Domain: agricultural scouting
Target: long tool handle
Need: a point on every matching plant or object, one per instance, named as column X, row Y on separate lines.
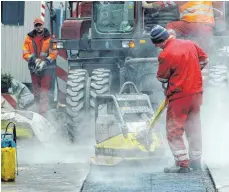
column 159, row 111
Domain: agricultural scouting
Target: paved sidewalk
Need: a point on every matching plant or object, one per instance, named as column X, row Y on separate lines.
column 220, row 175
column 56, row 177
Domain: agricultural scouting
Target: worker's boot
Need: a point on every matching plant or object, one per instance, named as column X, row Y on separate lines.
column 196, row 165
column 177, row 169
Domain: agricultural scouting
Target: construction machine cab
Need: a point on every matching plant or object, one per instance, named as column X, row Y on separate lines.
column 106, row 44
column 109, row 19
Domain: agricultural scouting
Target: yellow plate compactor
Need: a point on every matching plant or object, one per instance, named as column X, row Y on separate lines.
column 119, row 119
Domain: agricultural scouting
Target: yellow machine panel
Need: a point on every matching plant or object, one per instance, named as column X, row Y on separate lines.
column 8, row 165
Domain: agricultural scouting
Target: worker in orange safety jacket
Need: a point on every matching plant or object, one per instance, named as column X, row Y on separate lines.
column 180, row 65
column 41, row 62
column 196, row 20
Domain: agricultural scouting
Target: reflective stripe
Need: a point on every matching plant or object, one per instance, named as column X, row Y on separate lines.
column 162, row 80
column 26, row 51
column 196, row 152
column 196, row 13
column 43, row 54
column 180, row 152
column 181, row 158
column 204, row 62
column 197, row 10
column 193, row 11
column 202, row 6
column 195, row 155
column 158, row 35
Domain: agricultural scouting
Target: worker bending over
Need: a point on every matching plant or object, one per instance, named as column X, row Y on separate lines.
column 180, row 65
column 196, row 19
column 41, row 62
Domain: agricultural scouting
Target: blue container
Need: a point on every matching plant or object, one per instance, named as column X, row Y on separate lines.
column 7, row 140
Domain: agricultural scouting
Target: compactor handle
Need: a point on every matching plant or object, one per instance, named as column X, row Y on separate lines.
column 130, row 84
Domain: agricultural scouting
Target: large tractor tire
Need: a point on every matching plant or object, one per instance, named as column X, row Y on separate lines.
column 100, row 84
column 76, row 100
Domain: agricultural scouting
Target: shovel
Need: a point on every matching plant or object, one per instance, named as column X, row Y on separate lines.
column 144, row 137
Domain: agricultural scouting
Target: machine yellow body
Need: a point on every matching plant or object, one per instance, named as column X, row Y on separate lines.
column 118, row 149
column 8, row 164
column 118, row 121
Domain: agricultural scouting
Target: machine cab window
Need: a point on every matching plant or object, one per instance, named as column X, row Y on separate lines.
column 114, row 16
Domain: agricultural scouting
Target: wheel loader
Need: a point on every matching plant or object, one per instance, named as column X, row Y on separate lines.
column 106, row 44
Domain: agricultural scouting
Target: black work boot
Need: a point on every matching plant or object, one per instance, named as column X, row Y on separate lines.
column 177, row 169
column 196, row 165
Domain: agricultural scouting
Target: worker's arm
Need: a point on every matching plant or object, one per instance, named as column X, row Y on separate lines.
column 203, row 57
column 158, row 4
column 27, row 55
column 52, row 54
column 218, row 9
column 163, row 73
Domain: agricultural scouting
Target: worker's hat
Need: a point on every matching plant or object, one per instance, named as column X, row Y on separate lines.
column 158, row 34
column 38, row 20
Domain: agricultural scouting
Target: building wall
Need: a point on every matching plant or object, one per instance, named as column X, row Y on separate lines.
column 12, row 38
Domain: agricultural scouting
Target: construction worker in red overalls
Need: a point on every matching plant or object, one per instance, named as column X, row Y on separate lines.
column 180, row 65
column 41, row 62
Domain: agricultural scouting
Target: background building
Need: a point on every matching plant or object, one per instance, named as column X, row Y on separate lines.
column 16, row 21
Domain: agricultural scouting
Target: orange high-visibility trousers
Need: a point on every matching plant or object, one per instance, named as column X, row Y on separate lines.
column 183, row 115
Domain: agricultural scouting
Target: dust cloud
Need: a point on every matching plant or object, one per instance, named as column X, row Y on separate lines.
column 215, row 125
column 59, row 149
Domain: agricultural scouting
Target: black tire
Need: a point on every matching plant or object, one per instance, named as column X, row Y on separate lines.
column 76, row 100
column 100, row 84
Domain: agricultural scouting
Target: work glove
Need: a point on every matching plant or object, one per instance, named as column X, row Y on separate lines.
column 40, row 67
column 149, row 5
column 37, row 61
column 33, row 64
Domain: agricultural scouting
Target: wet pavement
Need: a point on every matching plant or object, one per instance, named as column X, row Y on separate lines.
column 58, row 167
column 64, row 167
column 48, row 177
column 145, row 178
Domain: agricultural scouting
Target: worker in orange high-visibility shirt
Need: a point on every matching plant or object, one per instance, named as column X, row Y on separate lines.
column 196, row 20
column 41, row 62
column 180, row 65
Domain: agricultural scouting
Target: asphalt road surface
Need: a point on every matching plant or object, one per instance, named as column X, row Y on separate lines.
column 66, row 168
column 145, row 178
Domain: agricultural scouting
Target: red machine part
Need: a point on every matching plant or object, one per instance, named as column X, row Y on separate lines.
column 74, row 29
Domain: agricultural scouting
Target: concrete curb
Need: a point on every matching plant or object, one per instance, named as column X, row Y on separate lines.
column 220, row 177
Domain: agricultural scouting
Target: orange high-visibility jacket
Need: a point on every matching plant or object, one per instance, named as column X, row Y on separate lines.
column 30, row 49
column 197, row 11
